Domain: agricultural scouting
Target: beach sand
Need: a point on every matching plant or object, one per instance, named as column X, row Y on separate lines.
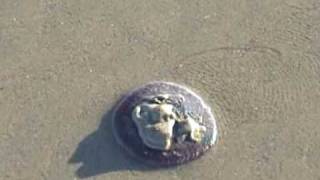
column 64, row 64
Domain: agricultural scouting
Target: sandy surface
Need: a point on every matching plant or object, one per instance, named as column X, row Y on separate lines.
column 63, row 65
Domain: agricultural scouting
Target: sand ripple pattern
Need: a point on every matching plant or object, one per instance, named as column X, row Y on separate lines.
column 243, row 85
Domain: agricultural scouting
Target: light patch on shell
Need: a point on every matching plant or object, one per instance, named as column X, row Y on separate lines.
column 196, row 130
column 156, row 117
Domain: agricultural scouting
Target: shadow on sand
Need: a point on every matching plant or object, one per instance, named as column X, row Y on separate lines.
column 99, row 153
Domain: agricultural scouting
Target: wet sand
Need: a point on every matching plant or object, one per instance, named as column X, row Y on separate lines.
column 64, row 64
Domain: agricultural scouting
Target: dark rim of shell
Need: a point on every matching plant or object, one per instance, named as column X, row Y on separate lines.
column 127, row 135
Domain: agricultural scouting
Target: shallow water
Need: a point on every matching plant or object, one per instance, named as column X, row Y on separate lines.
column 64, row 64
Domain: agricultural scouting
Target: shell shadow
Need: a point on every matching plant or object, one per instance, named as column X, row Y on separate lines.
column 99, row 153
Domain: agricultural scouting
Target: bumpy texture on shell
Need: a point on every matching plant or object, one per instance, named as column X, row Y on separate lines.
column 128, row 137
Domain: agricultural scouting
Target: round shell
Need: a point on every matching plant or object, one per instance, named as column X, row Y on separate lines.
column 127, row 135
